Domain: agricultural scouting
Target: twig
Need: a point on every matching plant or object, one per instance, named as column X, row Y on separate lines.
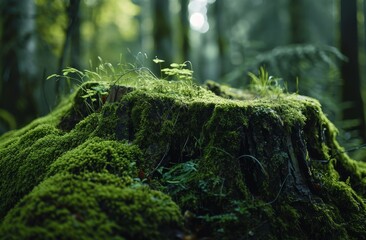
column 256, row 160
column 279, row 192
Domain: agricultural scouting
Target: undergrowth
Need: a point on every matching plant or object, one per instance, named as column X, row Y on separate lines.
column 264, row 84
column 107, row 75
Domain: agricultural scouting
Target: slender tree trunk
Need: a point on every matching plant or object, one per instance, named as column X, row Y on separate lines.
column 184, row 19
column 162, row 33
column 297, row 30
column 220, row 37
column 72, row 40
column 17, row 63
column 75, row 35
column 351, row 91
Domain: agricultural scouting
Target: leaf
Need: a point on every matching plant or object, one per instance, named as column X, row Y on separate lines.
column 52, row 76
column 68, row 70
column 175, row 65
column 91, row 74
column 157, row 60
column 100, row 60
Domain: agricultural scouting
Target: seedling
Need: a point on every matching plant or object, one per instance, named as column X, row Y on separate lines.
column 264, row 84
column 177, row 71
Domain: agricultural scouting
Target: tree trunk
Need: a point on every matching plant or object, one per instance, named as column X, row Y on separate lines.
column 17, row 69
column 72, row 40
column 222, row 62
column 75, row 48
column 162, row 33
column 184, row 22
column 297, row 33
column 351, row 89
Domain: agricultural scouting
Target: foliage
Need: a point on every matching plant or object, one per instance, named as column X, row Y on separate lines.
column 263, row 84
column 280, row 60
column 90, row 95
column 179, row 71
column 178, row 177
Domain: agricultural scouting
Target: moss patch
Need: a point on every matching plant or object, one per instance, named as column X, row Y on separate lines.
column 165, row 160
column 91, row 206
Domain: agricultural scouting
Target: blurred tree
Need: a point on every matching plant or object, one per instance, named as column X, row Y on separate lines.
column 17, row 68
column 353, row 112
column 72, row 39
column 220, row 38
column 51, row 20
column 296, row 20
column 145, row 26
column 162, row 32
column 51, row 24
column 109, row 29
column 184, row 24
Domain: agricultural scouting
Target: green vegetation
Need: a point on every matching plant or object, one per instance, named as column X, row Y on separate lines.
column 263, row 84
column 91, row 206
column 176, row 70
column 161, row 159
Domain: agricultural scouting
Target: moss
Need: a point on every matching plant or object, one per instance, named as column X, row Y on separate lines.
column 98, row 155
column 51, row 119
column 24, row 162
column 91, row 206
column 239, row 166
column 81, row 107
column 227, row 92
column 26, row 159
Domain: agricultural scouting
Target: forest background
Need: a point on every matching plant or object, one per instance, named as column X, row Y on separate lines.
column 316, row 48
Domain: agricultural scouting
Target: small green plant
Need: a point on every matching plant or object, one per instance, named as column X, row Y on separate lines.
column 92, row 94
column 106, row 75
column 178, row 71
column 178, row 177
column 264, row 84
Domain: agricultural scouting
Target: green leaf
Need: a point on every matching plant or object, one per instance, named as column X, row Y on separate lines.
column 68, row 70
column 157, row 60
column 91, row 74
column 175, row 65
column 52, row 76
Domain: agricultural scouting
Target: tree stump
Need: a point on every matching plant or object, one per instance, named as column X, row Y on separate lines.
column 172, row 160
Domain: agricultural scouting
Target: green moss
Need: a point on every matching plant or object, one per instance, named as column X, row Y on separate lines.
column 51, row 119
column 98, row 155
column 238, row 165
column 24, row 162
column 91, row 206
column 26, row 159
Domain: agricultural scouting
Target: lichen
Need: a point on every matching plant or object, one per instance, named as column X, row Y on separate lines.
column 236, row 166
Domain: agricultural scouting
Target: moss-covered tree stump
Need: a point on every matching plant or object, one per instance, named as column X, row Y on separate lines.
column 171, row 160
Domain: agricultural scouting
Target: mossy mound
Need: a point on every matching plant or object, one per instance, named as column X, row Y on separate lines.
column 172, row 160
column 91, row 206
